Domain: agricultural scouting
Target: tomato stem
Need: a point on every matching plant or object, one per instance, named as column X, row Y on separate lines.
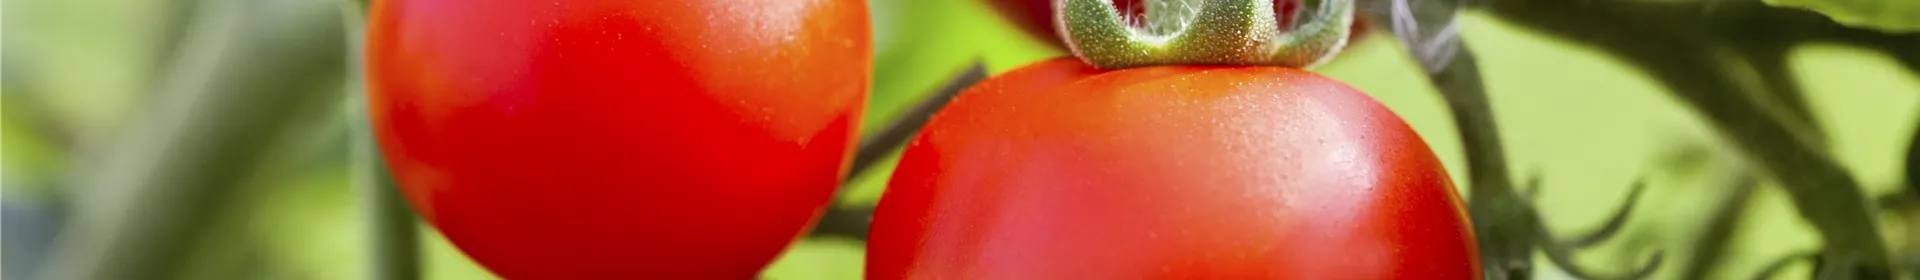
column 901, row 128
column 393, row 231
column 1218, row 32
column 851, row 221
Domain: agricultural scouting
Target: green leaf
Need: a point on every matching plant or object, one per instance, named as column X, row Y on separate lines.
column 1883, row 15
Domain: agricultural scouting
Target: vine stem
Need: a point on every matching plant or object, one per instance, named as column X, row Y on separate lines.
column 852, row 221
column 1711, row 245
column 1681, row 45
column 393, row 232
column 1503, row 221
column 902, row 128
column 1503, row 218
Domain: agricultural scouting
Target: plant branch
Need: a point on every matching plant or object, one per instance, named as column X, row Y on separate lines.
column 1822, row 191
column 1674, row 43
column 1615, row 222
column 392, row 230
column 904, row 126
column 1561, row 252
column 852, row 221
column 845, row 222
column 1504, row 222
column 1711, row 245
column 1770, row 64
column 1503, row 219
column 147, row 197
column 1460, row 84
column 1913, row 160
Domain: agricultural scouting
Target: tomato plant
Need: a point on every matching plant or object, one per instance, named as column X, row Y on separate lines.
column 616, row 139
column 1061, row 171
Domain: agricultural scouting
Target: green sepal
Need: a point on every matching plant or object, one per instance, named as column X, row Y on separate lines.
column 1206, row 32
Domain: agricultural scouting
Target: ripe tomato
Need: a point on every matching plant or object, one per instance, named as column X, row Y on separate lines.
column 618, row 139
column 1036, row 16
column 1061, row 171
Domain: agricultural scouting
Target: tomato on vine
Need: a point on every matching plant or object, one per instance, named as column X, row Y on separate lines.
column 1188, row 148
column 1061, row 171
column 618, row 139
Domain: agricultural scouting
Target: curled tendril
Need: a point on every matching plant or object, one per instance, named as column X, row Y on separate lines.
column 1560, row 252
column 1217, row 32
column 1614, row 222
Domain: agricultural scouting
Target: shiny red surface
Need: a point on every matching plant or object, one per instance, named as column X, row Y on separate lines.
column 1059, row 171
column 618, row 139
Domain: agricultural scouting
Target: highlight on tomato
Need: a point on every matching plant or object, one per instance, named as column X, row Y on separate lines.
column 618, row 139
column 1059, row 170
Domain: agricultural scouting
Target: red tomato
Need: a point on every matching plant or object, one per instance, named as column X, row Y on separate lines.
column 1036, row 16
column 1060, row 171
column 619, row 139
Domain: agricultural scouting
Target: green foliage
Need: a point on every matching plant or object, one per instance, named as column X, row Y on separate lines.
column 1885, row 15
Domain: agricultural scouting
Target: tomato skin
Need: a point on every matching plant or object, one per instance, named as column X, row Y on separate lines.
column 1060, row 171
column 618, row 139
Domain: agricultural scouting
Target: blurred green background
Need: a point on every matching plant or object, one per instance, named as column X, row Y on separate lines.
column 77, row 71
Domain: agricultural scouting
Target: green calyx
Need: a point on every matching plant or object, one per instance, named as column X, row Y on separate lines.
column 1214, row 32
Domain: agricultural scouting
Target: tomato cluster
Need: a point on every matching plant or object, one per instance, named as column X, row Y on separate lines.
column 623, row 139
